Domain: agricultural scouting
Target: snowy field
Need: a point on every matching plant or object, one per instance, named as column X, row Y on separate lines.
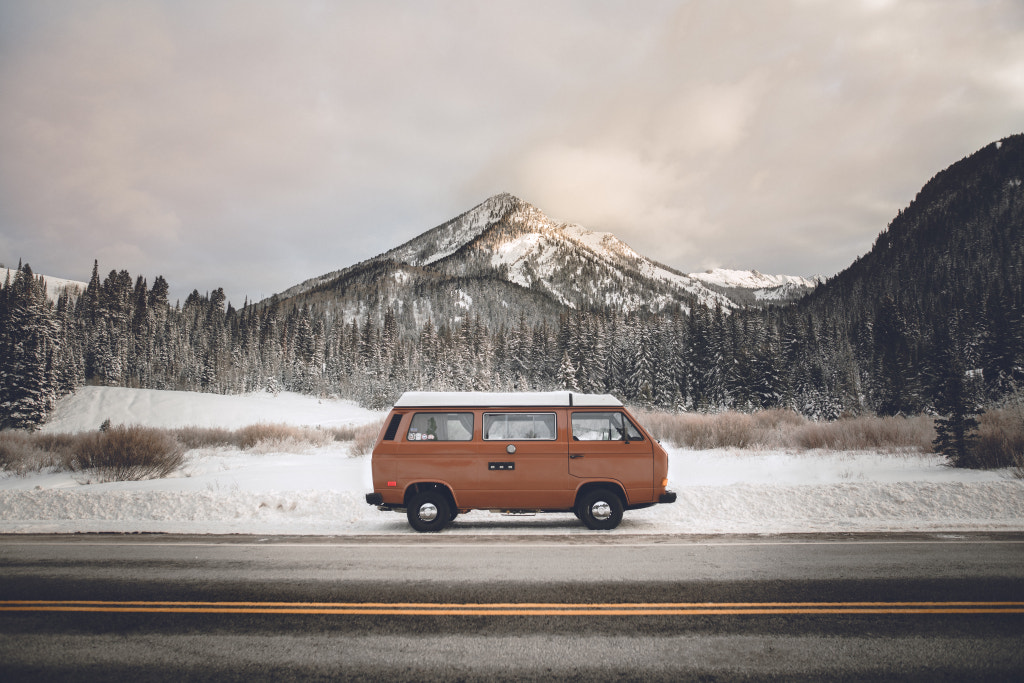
column 320, row 491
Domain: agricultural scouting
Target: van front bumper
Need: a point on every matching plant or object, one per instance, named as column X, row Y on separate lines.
column 375, row 498
column 667, row 497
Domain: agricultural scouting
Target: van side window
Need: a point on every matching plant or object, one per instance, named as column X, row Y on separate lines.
column 519, row 427
column 441, row 427
column 610, row 426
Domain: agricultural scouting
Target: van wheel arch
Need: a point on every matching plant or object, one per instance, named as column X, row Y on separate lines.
column 430, row 506
column 600, row 505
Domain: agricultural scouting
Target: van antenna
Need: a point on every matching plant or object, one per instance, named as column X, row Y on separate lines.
column 570, row 399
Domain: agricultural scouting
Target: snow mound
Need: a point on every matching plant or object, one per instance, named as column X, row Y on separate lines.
column 89, row 407
column 322, row 492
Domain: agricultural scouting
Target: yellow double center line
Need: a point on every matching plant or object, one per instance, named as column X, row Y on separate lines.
column 515, row 609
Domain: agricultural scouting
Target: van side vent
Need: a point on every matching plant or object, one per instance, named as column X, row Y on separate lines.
column 389, row 435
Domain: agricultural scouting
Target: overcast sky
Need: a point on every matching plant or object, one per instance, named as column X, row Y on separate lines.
column 252, row 145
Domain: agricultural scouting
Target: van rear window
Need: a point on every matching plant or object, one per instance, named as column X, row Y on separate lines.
column 441, row 427
column 389, row 434
column 519, row 427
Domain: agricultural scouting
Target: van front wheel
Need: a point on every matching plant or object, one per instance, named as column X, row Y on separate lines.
column 599, row 509
column 429, row 511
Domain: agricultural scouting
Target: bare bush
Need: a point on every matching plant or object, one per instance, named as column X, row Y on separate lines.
column 723, row 430
column 869, row 433
column 205, row 437
column 20, row 454
column 268, row 438
column 786, row 429
column 128, row 454
column 26, row 452
column 778, row 418
column 346, row 433
column 365, row 437
column 1001, row 439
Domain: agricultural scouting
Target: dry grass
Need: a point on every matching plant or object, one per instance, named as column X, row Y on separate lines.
column 1001, row 439
column 869, row 433
column 24, row 452
column 263, row 437
column 128, row 454
column 786, row 429
column 121, row 453
column 365, row 437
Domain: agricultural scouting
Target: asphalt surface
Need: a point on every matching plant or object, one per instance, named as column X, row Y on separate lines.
column 601, row 607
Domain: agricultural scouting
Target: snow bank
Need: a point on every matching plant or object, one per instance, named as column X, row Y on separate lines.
column 320, row 491
column 87, row 408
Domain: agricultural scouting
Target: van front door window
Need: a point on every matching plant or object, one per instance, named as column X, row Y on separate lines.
column 603, row 426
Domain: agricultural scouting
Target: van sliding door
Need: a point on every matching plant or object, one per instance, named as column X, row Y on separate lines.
column 524, row 452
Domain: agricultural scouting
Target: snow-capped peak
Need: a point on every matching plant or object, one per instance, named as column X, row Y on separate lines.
column 750, row 279
column 447, row 238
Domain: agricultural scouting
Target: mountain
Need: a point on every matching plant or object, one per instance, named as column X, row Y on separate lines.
column 940, row 296
column 506, row 258
column 751, row 288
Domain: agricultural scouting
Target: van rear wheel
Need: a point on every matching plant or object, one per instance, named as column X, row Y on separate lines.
column 429, row 511
column 600, row 509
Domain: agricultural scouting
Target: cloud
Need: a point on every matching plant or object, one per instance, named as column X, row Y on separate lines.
column 268, row 142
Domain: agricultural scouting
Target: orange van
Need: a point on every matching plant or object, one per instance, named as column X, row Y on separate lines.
column 442, row 453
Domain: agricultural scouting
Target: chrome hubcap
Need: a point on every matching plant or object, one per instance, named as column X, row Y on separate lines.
column 601, row 510
column 428, row 512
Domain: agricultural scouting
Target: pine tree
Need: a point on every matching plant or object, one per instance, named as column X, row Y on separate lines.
column 567, row 373
column 28, row 345
column 956, row 428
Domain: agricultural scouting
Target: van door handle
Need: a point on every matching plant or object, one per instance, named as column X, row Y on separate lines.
column 573, row 456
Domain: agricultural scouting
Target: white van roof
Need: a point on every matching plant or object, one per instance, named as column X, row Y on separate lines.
column 484, row 399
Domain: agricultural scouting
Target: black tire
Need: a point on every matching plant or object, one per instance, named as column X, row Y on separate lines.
column 600, row 509
column 429, row 511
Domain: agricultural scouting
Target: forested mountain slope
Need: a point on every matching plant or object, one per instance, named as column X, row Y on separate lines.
column 943, row 286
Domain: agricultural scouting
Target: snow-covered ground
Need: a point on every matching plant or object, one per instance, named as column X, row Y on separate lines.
column 320, row 491
column 89, row 407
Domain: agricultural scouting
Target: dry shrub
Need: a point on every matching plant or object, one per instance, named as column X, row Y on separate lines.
column 205, row 437
column 693, row 430
column 779, row 428
column 869, row 433
column 269, row 438
column 1001, row 439
column 365, row 437
column 26, row 452
column 778, row 418
column 347, row 433
column 128, row 453
column 20, row 454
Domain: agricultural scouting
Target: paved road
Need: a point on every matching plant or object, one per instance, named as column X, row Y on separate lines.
column 601, row 607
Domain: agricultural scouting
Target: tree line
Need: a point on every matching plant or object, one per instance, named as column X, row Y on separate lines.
column 821, row 363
